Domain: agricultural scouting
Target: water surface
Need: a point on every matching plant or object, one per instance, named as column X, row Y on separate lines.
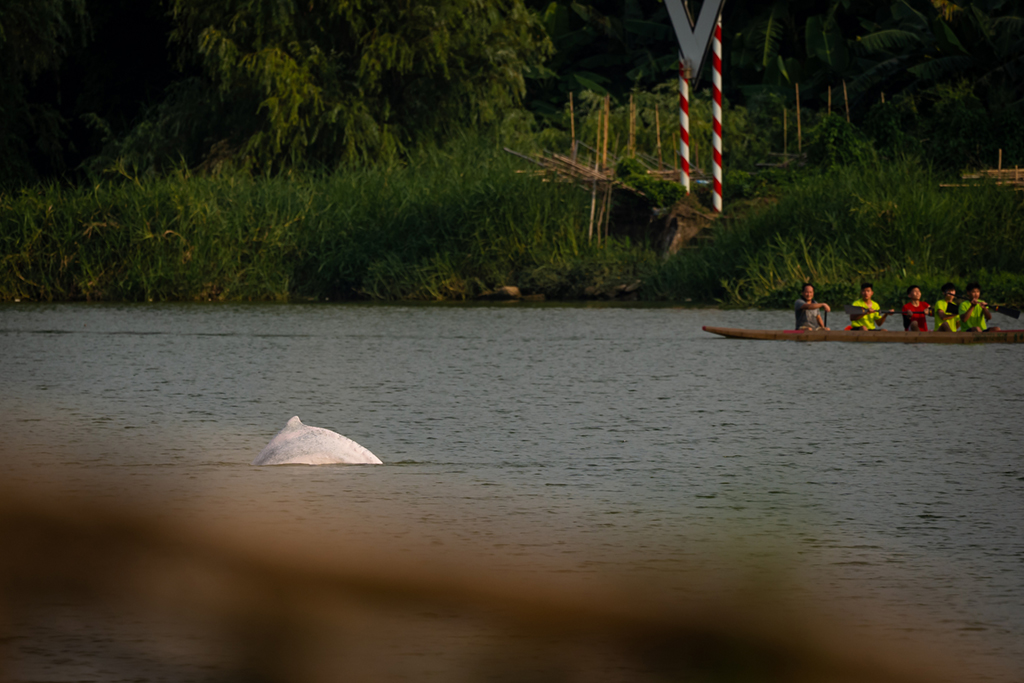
column 582, row 441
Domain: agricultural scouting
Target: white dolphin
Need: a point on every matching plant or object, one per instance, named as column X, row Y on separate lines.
column 298, row 444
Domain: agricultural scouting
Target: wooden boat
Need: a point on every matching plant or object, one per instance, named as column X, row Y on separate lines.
column 881, row 336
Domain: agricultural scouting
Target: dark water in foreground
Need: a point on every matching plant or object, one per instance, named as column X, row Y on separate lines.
column 886, row 482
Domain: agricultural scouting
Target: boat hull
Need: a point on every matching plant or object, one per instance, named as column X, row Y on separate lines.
column 876, row 337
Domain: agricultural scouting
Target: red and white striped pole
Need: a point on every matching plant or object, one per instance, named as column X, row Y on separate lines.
column 716, row 91
column 684, row 126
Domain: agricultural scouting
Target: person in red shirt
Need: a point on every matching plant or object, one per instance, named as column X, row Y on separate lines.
column 915, row 310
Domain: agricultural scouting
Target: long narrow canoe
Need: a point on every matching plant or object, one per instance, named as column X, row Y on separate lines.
column 881, row 336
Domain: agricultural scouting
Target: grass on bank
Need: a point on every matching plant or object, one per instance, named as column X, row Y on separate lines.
column 454, row 223
column 889, row 223
column 449, row 225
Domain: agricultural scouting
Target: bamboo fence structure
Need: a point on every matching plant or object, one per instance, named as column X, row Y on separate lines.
column 999, row 176
column 596, row 172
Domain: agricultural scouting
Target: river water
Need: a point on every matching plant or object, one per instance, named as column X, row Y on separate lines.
column 886, row 482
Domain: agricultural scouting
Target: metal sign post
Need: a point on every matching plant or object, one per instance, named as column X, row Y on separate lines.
column 694, row 40
column 684, row 124
column 716, row 109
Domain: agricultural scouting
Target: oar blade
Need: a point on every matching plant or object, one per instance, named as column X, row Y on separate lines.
column 1012, row 312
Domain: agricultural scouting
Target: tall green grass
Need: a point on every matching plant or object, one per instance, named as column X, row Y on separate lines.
column 454, row 223
column 448, row 225
column 887, row 222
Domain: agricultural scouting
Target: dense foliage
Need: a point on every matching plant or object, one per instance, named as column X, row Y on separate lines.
column 34, row 37
column 263, row 149
column 276, row 84
column 348, row 79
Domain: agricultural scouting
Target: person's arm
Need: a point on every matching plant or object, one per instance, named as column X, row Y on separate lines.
column 821, row 323
column 861, row 315
column 986, row 311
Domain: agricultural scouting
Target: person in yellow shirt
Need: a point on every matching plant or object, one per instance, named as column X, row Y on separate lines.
column 947, row 315
column 870, row 319
column 974, row 313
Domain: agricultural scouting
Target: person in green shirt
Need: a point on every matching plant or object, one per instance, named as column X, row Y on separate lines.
column 947, row 315
column 974, row 313
column 869, row 320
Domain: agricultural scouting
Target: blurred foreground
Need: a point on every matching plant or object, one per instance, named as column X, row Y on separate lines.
column 98, row 592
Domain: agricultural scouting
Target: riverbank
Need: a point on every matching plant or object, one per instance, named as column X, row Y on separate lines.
column 889, row 223
column 449, row 225
column 456, row 224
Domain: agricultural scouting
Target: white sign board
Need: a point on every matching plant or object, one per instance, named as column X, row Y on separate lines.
column 694, row 39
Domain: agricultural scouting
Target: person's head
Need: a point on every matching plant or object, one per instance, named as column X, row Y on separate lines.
column 972, row 291
column 866, row 290
column 807, row 293
column 914, row 293
column 949, row 291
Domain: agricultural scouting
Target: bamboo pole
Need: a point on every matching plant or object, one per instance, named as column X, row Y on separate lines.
column 632, row 126
column 829, row 99
column 847, row 100
column 785, row 132
column 657, row 127
column 600, row 218
column 1000, row 160
column 593, row 190
column 593, row 202
column 799, row 135
column 607, row 115
column 600, row 214
column 572, row 125
column 604, row 164
column 883, row 98
column 608, row 213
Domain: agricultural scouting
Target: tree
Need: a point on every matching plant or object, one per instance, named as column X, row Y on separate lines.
column 608, row 46
column 34, row 35
column 326, row 80
column 911, row 48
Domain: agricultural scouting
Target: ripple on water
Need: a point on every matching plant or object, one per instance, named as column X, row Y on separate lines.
column 619, row 440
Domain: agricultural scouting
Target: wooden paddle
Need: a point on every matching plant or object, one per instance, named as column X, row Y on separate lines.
column 1005, row 310
column 857, row 310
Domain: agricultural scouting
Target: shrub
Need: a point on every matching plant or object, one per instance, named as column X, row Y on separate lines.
column 835, row 142
column 659, row 193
